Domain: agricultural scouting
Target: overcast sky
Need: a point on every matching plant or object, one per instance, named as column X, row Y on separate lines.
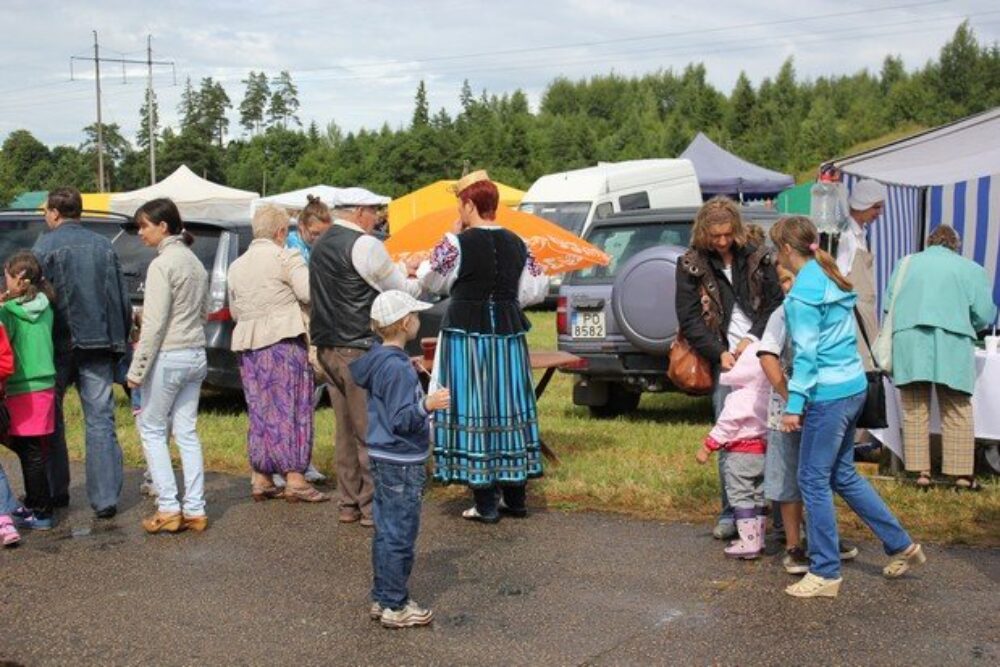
column 359, row 63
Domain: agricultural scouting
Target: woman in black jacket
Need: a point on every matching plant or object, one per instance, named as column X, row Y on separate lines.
column 727, row 289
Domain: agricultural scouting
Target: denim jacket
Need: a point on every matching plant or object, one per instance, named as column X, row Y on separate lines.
column 93, row 311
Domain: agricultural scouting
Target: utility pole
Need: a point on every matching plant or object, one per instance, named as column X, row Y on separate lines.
column 148, row 62
column 149, row 110
column 100, row 126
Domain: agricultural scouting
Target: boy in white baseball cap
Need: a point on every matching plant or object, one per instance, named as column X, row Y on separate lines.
column 398, row 446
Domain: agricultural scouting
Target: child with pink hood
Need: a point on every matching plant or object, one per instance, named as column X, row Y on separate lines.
column 741, row 430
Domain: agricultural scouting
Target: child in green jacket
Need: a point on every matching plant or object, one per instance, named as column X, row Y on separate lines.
column 26, row 314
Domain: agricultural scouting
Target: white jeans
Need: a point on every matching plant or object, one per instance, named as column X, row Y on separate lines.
column 170, row 399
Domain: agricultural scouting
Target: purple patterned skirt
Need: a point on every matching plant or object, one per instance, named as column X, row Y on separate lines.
column 278, row 383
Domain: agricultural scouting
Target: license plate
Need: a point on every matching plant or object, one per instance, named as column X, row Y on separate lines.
column 588, row 325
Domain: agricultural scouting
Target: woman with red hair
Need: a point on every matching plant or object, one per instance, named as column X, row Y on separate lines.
column 488, row 439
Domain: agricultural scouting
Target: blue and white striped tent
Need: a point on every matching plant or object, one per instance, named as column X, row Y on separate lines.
column 973, row 209
column 948, row 175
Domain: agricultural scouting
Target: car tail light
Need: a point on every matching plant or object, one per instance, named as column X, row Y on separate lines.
column 218, row 310
column 221, row 315
column 562, row 317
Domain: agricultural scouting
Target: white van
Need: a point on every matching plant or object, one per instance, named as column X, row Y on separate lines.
column 574, row 199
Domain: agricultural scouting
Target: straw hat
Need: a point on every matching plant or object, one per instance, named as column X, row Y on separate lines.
column 469, row 179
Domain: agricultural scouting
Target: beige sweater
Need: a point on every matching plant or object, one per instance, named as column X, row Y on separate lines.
column 268, row 286
column 173, row 307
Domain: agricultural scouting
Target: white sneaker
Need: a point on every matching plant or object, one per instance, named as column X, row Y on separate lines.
column 314, row 476
column 812, row 586
column 375, row 611
column 410, row 615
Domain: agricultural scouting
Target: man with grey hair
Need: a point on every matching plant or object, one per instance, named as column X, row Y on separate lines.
column 856, row 260
column 348, row 268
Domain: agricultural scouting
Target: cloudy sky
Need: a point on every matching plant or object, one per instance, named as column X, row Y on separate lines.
column 359, row 63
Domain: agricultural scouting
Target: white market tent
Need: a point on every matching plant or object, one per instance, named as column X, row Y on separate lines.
column 949, row 175
column 332, row 196
column 196, row 198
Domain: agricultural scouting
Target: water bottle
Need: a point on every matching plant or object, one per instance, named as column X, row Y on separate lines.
column 825, row 212
column 823, row 206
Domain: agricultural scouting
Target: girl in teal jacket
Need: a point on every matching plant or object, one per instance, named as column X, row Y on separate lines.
column 825, row 395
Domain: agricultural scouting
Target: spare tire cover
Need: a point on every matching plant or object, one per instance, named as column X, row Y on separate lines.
column 642, row 299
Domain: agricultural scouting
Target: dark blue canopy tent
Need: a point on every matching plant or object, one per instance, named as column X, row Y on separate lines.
column 722, row 173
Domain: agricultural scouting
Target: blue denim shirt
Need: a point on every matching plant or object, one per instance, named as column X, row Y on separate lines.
column 93, row 311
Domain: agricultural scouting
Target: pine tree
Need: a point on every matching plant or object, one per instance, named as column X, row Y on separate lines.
column 189, row 109
column 465, row 98
column 254, row 103
column 741, row 105
column 142, row 136
column 289, row 94
column 277, row 112
column 421, row 110
column 213, row 102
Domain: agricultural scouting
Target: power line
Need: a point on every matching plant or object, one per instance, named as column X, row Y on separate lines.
column 681, row 50
column 679, row 33
column 97, row 60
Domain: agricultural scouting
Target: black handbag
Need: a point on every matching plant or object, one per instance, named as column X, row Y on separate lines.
column 873, row 413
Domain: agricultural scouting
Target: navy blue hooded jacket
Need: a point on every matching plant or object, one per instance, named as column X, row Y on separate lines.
column 398, row 429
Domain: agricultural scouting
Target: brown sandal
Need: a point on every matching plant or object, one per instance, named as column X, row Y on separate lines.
column 262, row 493
column 306, row 494
column 163, row 523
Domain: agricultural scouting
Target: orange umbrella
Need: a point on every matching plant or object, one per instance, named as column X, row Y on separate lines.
column 557, row 250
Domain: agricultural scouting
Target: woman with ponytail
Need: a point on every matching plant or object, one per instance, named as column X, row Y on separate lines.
column 825, row 395
column 169, row 365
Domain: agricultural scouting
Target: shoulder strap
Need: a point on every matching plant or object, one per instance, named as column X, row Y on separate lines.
column 864, row 335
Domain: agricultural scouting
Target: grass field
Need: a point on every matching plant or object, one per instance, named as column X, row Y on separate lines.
column 642, row 465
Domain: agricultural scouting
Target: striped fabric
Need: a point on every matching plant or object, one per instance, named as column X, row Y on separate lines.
column 973, row 209
column 490, row 434
column 896, row 234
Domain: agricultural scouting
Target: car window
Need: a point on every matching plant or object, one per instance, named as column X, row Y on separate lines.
column 19, row 235
column 569, row 215
column 634, row 201
column 136, row 256
column 624, row 242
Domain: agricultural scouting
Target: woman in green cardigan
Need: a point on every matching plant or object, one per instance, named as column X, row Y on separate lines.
column 943, row 302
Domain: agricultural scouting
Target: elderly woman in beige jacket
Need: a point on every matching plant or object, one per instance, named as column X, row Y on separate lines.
column 268, row 285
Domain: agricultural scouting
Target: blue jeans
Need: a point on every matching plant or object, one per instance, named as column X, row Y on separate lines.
column 396, row 511
column 826, row 464
column 8, row 501
column 93, row 373
column 718, row 401
column 170, row 395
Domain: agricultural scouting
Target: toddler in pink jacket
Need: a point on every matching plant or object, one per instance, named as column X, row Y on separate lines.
column 741, row 430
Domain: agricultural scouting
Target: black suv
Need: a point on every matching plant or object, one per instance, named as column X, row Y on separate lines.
column 620, row 318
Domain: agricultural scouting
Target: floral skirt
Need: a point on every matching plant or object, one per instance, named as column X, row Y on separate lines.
column 490, row 434
column 278, row 383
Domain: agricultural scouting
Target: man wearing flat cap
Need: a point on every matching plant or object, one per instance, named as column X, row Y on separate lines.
column 348, row 268
column 856, row 261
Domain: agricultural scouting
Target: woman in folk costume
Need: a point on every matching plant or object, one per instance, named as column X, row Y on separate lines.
column 489, row 438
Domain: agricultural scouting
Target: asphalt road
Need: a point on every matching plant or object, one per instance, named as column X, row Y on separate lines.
column 274, row 583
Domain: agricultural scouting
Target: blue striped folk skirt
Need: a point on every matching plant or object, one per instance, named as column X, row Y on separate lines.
column 490, row 434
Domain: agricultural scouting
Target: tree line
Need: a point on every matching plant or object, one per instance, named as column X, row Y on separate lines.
column 784, row 123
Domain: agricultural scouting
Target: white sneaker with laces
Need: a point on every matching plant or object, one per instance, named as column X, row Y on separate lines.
column 375, row 611
column 412, row 614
